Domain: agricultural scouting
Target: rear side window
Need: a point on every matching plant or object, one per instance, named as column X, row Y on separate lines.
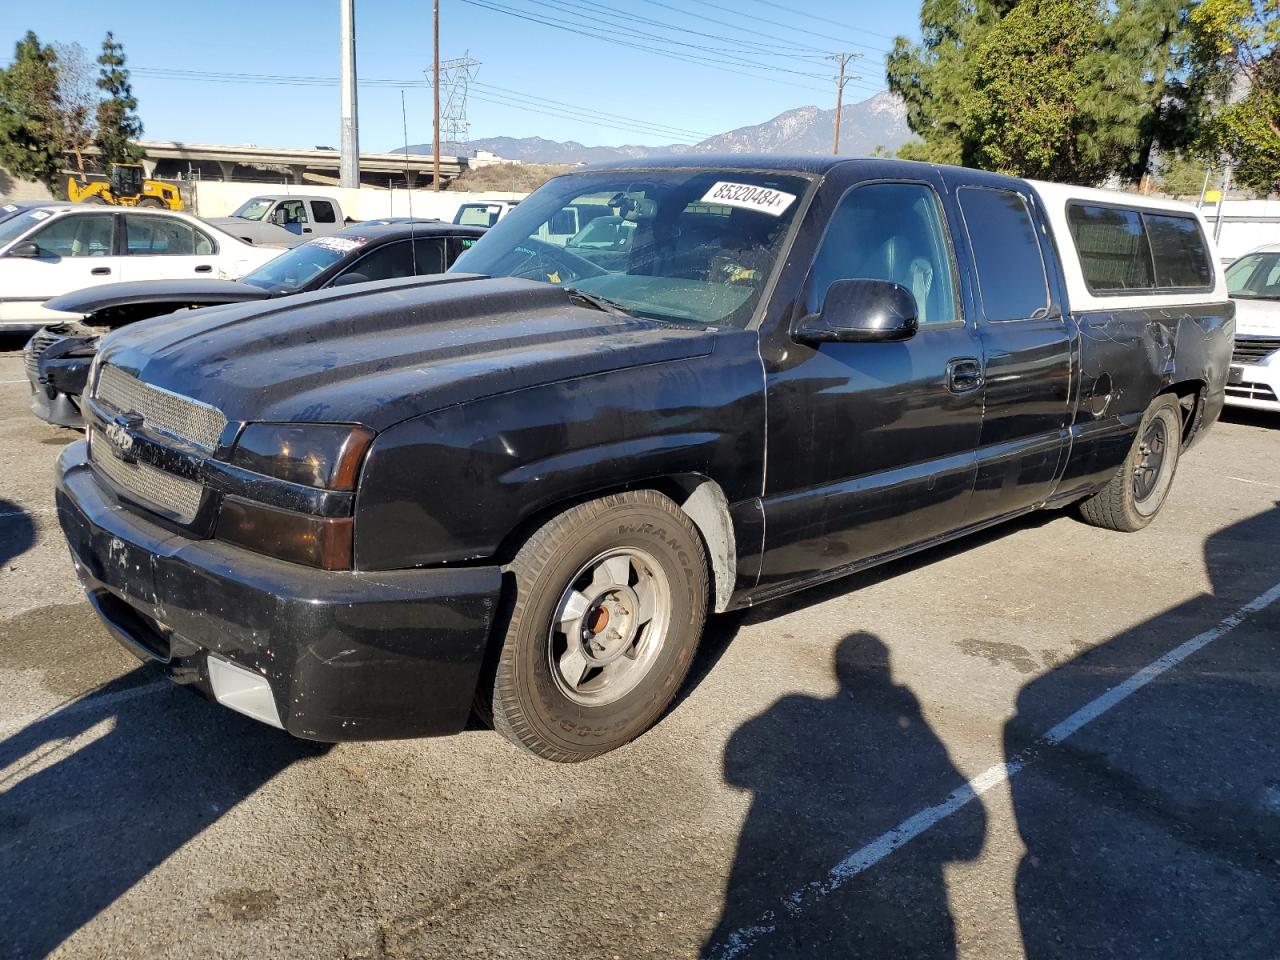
column 1178, row 251
column 458, row 246
column 1114, row 252
column 1124, row 250
column 1006, row 250
column 322, row 210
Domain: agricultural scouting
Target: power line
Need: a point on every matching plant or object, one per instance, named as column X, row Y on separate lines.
column 814, row 16
column 546, row 107
column 785, row 26
column 717, row 64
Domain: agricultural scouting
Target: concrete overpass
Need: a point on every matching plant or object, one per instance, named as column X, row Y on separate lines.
column 170, row 159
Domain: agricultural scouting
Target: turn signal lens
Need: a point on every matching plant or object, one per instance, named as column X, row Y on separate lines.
column 324, row 542
column 324, row 455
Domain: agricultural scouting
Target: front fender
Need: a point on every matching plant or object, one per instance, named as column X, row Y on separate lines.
column 452, row 485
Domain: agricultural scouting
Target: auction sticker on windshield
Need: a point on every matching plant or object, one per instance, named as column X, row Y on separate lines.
column 748, row 196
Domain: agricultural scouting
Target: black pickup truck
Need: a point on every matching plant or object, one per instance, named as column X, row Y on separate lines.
column 520, row 487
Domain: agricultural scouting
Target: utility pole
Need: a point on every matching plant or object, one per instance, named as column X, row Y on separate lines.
column 350, row 158
column 843, row 59
column 435, row 90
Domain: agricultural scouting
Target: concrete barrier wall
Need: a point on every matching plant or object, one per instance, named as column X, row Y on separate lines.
column 215, row 198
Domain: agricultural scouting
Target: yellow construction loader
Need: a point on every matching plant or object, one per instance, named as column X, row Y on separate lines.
column 126, row 187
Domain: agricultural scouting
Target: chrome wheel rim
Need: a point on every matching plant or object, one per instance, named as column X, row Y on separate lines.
column 1151, row 455
column 609, row 626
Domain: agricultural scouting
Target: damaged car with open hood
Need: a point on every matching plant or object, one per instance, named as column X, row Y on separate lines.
column 519, row 488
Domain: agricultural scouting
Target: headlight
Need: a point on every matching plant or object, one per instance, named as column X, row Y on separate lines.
column 325, row 455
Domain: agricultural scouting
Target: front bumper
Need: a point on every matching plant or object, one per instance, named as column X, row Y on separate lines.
column 344, row 656
column 1256, row 386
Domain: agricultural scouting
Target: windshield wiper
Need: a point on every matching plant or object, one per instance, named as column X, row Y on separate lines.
column 600, row 303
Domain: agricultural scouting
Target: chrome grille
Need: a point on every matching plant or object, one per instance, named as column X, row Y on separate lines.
column 38, row 345
column 178, row 416
column 153, row 486
column 1253, row 349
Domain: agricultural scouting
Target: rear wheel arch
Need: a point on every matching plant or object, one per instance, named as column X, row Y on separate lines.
column 1190, row 394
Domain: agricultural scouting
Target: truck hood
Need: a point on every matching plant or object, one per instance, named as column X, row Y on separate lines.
column 190, row 292
column 1257, row 318
column 380, row 356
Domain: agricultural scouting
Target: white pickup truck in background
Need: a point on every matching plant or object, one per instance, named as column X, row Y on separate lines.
column 282, row 220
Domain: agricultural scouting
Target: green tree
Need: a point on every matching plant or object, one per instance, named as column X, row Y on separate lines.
column 1033, row 109
column 118, row 122
column 1237, row 42
column 30, row 120
column 1069, row 89
column 1181, row 175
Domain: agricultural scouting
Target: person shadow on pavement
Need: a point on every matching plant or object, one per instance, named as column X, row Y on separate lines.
column 17, row 532
column 83, row 822
column 829, row 775
column 1153, row 833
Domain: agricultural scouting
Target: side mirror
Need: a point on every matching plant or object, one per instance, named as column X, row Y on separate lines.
column 349, row 278
column 28, row 249
column 861, row 311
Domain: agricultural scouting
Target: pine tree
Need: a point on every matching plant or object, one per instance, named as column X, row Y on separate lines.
column 118, row 122
column 30, row 114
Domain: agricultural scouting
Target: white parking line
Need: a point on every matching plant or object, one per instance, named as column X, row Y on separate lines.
column 863, row 859
column 15, row 381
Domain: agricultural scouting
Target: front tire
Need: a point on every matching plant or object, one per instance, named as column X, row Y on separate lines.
column 1136, row 493
column 610, row 599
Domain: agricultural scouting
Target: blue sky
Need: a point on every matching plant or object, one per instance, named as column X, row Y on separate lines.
column 617, row 85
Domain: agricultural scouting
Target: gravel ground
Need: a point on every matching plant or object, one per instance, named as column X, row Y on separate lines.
column 843, row 728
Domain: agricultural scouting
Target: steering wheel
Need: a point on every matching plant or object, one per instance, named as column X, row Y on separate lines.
column 539, row 260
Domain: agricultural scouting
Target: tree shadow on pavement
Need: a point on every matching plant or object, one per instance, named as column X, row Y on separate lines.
column 827, row 776
column 17, row 531
column 1154, row 832
column 83, row 822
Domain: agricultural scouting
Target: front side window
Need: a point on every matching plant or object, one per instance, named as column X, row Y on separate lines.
column 401, row 259
column 1006, row 251
column 85, row 235
column 889, row 231
column 1255, row 276
column 701, row 244
column 159, row 236
column 292, row 211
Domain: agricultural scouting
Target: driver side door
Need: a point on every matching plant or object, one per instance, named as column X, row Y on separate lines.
column 872, row 446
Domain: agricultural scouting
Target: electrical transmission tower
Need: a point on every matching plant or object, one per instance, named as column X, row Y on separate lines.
column 455, row 82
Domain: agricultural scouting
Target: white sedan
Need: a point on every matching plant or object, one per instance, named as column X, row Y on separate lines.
column 1254, row 284
column 48, row 251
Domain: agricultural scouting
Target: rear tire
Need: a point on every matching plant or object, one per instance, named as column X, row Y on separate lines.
column 1136, row 493
column 609, row 603
column 151, row 202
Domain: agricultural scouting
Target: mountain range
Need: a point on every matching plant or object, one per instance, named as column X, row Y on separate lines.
column 879, row 121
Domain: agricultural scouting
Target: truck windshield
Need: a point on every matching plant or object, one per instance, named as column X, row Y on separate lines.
column 683, row 245
column 254, row 209
column 1255, row 276
column 293, row 269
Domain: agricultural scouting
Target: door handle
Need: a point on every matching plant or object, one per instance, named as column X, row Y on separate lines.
column 964, row 374
column 101, row 271
column 306, row 229
column 204, row 268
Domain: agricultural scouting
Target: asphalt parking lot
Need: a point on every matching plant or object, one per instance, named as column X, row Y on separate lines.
column 1048, row 741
